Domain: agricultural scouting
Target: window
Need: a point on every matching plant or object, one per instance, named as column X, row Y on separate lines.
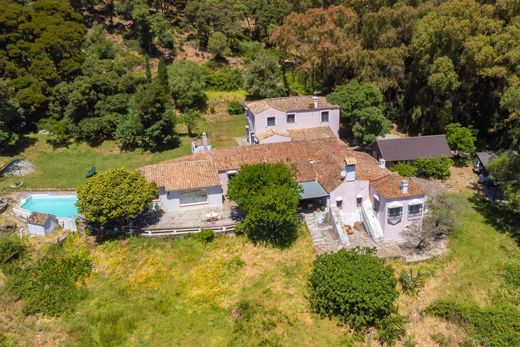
column 415, row 210
column 376, row 204
column 291, row 118
column 271, row 121
column 325, row 116
column 394, row 212
column 194, row 197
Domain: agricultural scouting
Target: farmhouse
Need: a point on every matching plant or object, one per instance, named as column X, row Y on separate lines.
column 331, row 174
column 290, row 119
column 408, row 149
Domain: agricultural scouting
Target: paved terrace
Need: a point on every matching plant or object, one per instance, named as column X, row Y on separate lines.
column 226, row 215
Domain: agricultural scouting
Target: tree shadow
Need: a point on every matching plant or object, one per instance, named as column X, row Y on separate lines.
column 499, row 216
column 20, row 147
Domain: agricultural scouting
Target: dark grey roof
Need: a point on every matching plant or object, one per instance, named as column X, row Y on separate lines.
column 312, row 190
column 411, row 148
column 485, row 157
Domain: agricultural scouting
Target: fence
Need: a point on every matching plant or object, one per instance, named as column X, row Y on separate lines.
column 185, row 231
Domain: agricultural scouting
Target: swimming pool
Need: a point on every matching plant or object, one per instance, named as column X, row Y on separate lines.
column 60, row 206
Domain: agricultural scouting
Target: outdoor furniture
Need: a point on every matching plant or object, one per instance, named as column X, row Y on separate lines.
column 91, row 172
column 212, row 217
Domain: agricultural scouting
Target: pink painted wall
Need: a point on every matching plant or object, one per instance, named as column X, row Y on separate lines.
column 349, row 192
column 393, row 232
column 303, row 119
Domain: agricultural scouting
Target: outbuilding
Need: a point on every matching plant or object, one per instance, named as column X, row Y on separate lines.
column 41, row 224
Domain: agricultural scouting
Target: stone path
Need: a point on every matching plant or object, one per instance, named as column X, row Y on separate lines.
column 323, row 236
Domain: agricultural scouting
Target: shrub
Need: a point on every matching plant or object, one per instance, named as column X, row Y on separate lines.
column 234, row 107
column 403, row 169
column 353, row 285
column 256, row 325
column 12, row 248
column 494, row 326
column 411, row 283
column 434, row 167
column 206, row 235
column 226, row 80
column 48, row 285
column 391, row 328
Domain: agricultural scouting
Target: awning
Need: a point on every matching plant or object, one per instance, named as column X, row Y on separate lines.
column 312, row 190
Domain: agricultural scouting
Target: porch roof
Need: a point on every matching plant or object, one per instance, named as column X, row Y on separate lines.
column 312, row 190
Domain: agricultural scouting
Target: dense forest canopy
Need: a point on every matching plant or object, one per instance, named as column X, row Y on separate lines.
column 85, row 64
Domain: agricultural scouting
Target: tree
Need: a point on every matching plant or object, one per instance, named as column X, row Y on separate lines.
column 361, row 106
column 218, row 45
column 189, row 118
column 208, row 16
column 266, row 14
column 12, row 117
column 354, row 286
column 403, row 169
column 264, row 77
column 322, row 43
column 162, row 73
column 187, row 84
column 438, row 223
column 505, row 167
column 461, row 138
column 269, row 196
column 40, row 46
column 433, row 167
column 115, row 196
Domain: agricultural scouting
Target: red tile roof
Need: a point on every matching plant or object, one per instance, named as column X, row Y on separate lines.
column 389, row 187
column 182, row 175
column 314, row 160
column 38, row 218
column 316, row 133
column 290, row 103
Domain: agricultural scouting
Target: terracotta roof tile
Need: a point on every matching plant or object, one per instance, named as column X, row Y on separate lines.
column 270, row 132
column 310, row 160
column 311, row 133
column 389, row 187
column 37, row 218
column 290, row 103
column 182, row 175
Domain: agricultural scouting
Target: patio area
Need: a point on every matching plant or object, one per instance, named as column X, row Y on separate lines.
column 210, row 218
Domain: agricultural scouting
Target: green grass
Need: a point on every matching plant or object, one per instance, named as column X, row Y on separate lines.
column 477, row 254
column 66, row 167
column 150, row 293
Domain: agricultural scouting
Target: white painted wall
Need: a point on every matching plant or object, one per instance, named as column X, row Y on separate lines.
column 170, row 201
column 43, row 230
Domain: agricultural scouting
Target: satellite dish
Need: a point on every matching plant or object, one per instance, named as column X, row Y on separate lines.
column 343, row 173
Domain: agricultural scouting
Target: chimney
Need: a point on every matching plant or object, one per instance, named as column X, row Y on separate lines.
column 404, row 186
column 315, row 101
column 204, row 140
column 382, row 163
column 350, row 169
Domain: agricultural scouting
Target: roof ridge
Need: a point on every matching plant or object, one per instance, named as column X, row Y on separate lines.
column 410, row 137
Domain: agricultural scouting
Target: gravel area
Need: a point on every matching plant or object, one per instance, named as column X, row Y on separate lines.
column 18, row 168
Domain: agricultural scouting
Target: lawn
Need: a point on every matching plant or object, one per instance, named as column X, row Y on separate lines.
column 470, row 273
column 66, row 167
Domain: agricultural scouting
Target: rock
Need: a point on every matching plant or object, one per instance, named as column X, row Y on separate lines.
column 18, row 168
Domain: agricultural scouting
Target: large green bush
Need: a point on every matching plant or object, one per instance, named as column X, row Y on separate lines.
column 234, row 107
column 269, row 196
column 433, row 167
column 48, row 285
column 12, row 248
column 492, row 326
column 354, row 286
column 403, row 169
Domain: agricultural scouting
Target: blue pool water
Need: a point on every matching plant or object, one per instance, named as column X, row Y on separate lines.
column 60, row 206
